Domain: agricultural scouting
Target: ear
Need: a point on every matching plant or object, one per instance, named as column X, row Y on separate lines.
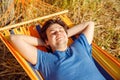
column 46, row 41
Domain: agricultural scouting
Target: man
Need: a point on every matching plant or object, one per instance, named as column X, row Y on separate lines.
column 63, row 63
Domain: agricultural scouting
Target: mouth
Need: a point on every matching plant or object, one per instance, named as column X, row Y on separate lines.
column 59, row 38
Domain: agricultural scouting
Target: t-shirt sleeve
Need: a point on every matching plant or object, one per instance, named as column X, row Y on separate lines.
column 84, row 42
column 40, row 59
column 43, row 60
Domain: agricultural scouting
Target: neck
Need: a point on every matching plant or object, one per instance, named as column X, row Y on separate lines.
column 60, row 48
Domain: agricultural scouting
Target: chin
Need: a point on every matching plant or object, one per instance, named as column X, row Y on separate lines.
column 62, row 42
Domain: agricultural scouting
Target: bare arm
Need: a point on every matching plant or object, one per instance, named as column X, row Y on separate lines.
column 26, row 46
column 87, row 28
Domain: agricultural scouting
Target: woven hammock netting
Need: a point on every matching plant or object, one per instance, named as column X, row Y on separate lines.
column 24, row 10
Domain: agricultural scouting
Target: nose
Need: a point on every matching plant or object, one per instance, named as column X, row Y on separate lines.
column 58, row 32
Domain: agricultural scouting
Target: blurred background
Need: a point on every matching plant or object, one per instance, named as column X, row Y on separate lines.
column 105, row 14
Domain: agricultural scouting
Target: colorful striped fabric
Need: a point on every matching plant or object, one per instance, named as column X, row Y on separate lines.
column 108, row 65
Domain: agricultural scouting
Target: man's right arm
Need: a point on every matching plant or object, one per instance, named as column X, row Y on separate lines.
column 26, row 45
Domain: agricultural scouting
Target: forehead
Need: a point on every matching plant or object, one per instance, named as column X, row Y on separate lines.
column 54, row 26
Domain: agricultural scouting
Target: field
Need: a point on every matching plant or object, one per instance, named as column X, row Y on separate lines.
column 105, row 14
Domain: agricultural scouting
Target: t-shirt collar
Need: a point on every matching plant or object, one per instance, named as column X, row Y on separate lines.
column 60, row 54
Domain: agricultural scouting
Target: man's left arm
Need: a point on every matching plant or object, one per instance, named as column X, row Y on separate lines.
column 87, row 28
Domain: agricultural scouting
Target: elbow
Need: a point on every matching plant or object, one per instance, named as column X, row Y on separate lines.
column 91, row 23
column 12, row 38
column 15, row 39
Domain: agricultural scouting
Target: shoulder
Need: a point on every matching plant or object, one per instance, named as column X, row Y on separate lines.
column 81, row 42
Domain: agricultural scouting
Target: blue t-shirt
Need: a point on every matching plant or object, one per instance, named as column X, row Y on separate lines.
column 75, row 63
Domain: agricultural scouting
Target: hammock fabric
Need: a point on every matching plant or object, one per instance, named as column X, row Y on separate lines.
column 106, row 63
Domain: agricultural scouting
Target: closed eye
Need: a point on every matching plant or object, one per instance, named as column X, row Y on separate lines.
column 53, row 32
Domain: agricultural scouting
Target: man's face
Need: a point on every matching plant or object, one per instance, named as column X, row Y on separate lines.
column 57, row 37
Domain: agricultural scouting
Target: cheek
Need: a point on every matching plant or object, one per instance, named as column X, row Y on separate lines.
column 51, row 41
column 65, row 34
column 51, row 38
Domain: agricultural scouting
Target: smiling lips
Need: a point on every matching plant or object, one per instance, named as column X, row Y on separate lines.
column 59, row 38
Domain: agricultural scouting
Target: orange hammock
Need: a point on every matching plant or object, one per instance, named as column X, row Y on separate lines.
column 107, row 64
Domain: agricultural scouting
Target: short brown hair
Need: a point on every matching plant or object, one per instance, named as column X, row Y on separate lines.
column 48, row 24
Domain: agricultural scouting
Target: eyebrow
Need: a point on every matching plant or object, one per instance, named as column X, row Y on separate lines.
column 51, row 30
column 54, row 30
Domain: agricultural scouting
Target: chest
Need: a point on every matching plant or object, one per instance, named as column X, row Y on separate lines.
column 72, row 59
column 75, row 63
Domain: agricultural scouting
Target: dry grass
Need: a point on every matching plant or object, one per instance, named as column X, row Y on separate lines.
column 105, row 14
